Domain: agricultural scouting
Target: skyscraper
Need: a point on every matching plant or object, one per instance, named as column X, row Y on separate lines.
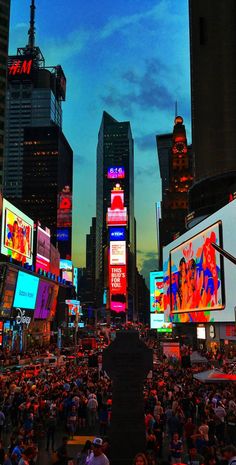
column 175, row 160
column 213, row 94
column 37, row 156
column 4, row 34
column 115, row 165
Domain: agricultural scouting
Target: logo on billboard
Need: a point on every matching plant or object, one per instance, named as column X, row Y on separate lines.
column 21, row 318
column 64, row 209
column 63, row 234
column 20, row 67
column 117, row 234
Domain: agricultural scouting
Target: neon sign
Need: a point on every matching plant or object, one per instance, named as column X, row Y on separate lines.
column 117, row 213
column 20, row 67
column 116, row 172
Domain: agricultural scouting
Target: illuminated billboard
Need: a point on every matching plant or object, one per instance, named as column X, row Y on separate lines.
column 196, row 273
column 117, row 213
column 26, row 291
column 67, row 275
column 54, row 260
column 156, row 291
column 117, row 234
column 65, row 264
column 20, row 67
column 64, row 208
column 43, row 249
column 63, row 234
column 116, row 172
column 118, row 284
column 17, row 234
column 117, row 252
column 73, row 307
column 157, row 322
column 45, row 299
column 222, row 276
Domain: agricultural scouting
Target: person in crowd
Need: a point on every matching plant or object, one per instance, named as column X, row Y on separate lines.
column 97, row 457
column 140, row 459
column 83, row 456
column 176, row 449
column 229, row 454
column 193, row 457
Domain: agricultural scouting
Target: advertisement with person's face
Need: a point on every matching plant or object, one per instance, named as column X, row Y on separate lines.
column 17, row 234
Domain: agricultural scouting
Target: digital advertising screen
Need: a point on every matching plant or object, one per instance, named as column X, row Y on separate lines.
column 65, row 264
column 117, row 234
column 156, row 291
column 157, row 322
column 8, row 292
column 118, row 284
column 64, row 208
column 54, row 260
column 44, row 300
column 196, row 273
column 17, row 234
column 201, row 332
column 63, row 234
column 117, row 252
column 67, row 275
column 43, row 249
column 117, row 213
column 73, row 307
column 26, row 291
column 116, row 172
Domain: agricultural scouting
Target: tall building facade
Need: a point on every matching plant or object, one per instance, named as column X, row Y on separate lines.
column 4, row 38
column 175, row 161
column 213, row 94
column 115, row 166
column 37, row 157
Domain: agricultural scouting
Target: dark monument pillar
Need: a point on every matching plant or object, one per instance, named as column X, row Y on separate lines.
column 127, row 361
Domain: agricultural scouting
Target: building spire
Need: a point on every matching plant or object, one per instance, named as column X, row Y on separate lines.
column 31, row 32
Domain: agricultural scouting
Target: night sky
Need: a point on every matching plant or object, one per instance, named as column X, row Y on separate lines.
column 130, row 58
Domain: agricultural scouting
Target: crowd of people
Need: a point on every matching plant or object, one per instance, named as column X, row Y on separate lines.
column 186, row 422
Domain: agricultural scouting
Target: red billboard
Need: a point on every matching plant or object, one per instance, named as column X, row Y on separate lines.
column 117, row 213
column 118, row 284
column 43, row 249
column 64, row 208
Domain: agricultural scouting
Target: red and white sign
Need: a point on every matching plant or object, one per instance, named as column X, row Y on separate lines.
column 117, row 252
column 118, row 279
column 20, row 67
column 117, row 213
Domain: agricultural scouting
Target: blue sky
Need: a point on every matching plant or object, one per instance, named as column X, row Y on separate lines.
column 130, row 58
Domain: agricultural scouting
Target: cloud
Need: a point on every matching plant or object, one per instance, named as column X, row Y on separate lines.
column 146, row 142
column 115, row 24
column 148, row 91
column 64, row 48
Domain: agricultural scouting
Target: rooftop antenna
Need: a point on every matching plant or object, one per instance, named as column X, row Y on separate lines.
column 31, row 32
column 176, row 108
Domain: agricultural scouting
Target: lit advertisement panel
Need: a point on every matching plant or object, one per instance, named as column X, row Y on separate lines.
column 117, row 252
column 117, row 213
column 116, row 172
column 19, row 67
column 54, row 260
column 26, row 291
column 197, row 279
column 17, row 234
column 43, row 249
column 226, row 217
column 63, row 234
column 118, row 284
column 201, row 332
column 117, row 234
column 156, row 291
column 65, row 264
column 157, row 322
column 8, row 292
column 67, row 275
column 44, row 300
column 64, row 208
column 73, row 307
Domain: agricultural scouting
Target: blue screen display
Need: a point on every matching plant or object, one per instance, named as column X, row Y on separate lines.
column 63, row 234
column 117, row 234
column 26, row 291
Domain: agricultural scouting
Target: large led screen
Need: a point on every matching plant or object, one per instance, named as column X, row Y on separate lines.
column 157, row 322
column 43, row 249
column 117, row 252
column 26, row 291
column 44, row 300
column 196, row 273
column 156, row 291
column 17, row 234
column 116, row 172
